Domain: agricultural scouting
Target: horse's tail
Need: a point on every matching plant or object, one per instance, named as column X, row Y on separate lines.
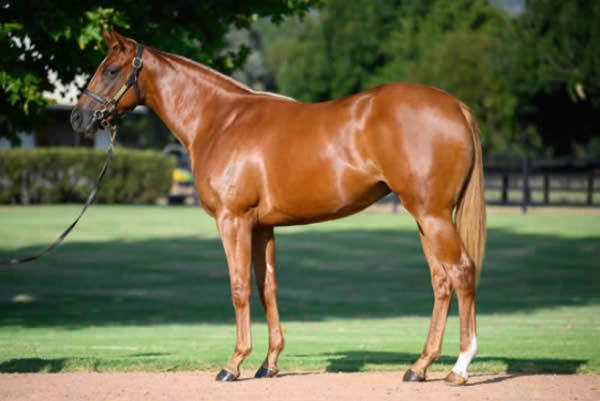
column 470, row 212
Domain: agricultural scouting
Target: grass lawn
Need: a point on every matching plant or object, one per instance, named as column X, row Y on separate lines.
column 146, row 288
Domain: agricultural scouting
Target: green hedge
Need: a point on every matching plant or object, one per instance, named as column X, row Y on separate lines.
column 56, row 175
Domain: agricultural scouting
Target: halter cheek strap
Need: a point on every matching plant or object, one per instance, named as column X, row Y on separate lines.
column 109, row 106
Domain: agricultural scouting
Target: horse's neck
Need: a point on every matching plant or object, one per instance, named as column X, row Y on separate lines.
column 187, row 96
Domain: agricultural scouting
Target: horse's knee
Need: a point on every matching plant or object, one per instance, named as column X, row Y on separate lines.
column 240, row 294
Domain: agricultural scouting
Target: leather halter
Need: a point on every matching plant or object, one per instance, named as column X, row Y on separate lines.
column 109, row 106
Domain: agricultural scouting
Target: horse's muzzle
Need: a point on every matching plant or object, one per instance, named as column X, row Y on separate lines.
column 82, row 121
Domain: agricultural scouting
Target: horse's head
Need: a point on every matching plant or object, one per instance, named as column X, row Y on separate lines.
column 108, row 94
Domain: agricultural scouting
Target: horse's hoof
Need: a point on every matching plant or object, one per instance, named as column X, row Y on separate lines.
column 412, row 376
column 455, row 379
column 226, row 376
column 265, row 372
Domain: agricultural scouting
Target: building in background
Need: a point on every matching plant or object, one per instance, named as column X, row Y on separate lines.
column 60, row 133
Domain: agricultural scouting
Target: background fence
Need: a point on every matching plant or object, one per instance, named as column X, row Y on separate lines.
column 528, row 182
column 542, row 181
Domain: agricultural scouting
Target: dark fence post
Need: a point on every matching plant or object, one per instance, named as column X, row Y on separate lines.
column 541, row 176
column 546, row 189
column 525, row 183
column 504, row 189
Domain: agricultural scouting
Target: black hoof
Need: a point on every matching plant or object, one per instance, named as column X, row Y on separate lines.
column 226, row 376
column 265, row 372
column 411, row 376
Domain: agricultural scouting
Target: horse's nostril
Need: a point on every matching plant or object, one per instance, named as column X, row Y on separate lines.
column 76, row 118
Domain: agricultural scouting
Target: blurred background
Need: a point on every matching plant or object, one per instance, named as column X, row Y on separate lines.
column 530, row 70
column 355, row 293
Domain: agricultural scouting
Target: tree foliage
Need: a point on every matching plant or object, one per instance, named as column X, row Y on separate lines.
column 456, row 46
column 532, row 79
column 338, row 50
column 64, row 36
column 555, row 74
column 450, row 45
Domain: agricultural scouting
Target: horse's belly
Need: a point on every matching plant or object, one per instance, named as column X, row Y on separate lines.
column 312, row 206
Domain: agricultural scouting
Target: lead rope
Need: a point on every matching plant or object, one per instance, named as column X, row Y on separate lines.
column 88, row 202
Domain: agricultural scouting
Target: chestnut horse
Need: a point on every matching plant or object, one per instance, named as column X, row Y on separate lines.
column 262, row 160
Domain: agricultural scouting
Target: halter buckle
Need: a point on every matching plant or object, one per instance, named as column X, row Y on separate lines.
column 105, row 123
column 137, row 63
column 99, row 114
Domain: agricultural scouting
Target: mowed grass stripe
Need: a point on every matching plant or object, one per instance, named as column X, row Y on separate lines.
column 146, row 288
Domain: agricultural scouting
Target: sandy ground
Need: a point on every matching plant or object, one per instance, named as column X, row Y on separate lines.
column 292, row 387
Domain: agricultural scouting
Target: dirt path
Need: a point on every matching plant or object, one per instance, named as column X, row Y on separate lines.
column 291, row 387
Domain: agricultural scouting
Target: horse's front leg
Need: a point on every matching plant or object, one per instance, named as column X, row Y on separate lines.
column 236, row 235
column 263, row 259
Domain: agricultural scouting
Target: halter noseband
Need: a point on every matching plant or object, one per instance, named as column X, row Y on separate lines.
column 109, row 106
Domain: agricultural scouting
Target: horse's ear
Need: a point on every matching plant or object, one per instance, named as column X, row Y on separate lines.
column 108, row 37
column 120, row 41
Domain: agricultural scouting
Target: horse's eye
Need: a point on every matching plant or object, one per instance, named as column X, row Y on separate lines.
column 110, row 72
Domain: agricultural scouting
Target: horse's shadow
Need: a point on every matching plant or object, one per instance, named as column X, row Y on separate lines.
column 355, row 361
column 36, row 365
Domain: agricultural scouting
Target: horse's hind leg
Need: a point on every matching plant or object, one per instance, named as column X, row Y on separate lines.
column 263, row 259
column 442, row 292
column 451, row 268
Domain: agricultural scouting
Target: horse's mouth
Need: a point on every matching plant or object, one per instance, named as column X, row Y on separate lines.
column 91, row 128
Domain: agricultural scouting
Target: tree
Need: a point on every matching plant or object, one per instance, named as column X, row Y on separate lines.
column 339, row 49
column 303, row 71
column 456, row 46
column 459, row 47
column 556, row 74
column 39, row 36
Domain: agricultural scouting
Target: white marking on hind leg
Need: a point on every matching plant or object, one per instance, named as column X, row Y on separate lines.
column 465, row 358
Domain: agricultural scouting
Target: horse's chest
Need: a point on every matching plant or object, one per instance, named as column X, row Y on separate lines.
column 230, row 186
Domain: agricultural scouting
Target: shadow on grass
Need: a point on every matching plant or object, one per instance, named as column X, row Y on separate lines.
column 34, row 365
column 347, row 361
column 354, row 361
column 54, row 365
column 321, row 274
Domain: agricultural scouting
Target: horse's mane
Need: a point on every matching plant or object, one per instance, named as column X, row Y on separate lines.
column 213, row 75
